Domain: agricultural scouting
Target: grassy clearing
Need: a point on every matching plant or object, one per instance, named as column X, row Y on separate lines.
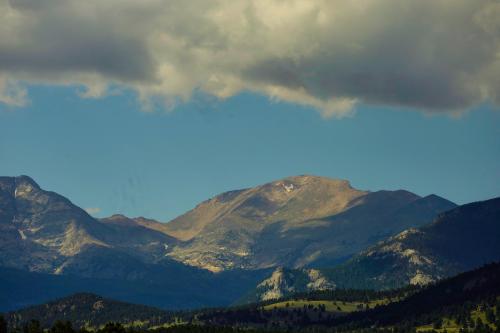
column 176, row 322
column 330, row 306
column 451, row 326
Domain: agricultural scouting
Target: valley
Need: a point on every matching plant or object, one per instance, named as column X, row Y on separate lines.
column 469, row 301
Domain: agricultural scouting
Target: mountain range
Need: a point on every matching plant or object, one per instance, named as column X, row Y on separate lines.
column 224, row 247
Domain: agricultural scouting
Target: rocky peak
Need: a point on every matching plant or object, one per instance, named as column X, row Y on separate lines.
column 311, row 179
column 283, row 282
column 27, row 181
column 118, row 218
column 24, row 186
column 12, row 185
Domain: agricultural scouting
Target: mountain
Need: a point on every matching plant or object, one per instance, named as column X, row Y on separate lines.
column 84, row 310
column 43, row 231
column 458, row 240
column 302, row 221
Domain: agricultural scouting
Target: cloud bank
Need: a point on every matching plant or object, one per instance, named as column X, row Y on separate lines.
column 432, row 55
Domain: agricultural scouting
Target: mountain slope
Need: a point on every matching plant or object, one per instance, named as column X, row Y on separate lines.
column 295, row 222
column 458, row 240
column 461, row 239
column 475, row 286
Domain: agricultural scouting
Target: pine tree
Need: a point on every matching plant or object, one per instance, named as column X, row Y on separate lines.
column 3, row 325
column 437, row 324
column 62, row 327
column 32, row 327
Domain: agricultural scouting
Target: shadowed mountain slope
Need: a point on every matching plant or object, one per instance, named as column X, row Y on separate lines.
column 458, row 240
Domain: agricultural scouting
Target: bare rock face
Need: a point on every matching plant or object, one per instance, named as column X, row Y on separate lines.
column 284, row 282
column 294, row 222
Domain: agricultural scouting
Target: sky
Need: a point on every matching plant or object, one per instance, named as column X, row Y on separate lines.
column 147, row 108
column 108, row 155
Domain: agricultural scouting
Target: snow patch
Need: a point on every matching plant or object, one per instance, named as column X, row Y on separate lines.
column 288, row 188
column 22, row 190
column 23, row 236
column 405, row 234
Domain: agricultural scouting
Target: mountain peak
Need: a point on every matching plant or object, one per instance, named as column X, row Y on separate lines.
column 12, row 184
column 26, row 180
column 292, row 185
column 18, row 186
column 118, row 217
column 309, row 179
column 435, row 197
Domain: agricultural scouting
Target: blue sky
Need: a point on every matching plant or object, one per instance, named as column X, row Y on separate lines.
column 366, row 91
column 106, row 153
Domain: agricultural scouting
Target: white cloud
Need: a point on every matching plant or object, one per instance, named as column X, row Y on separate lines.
column 434, row 55
column 12, row 93
column 93, row 210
